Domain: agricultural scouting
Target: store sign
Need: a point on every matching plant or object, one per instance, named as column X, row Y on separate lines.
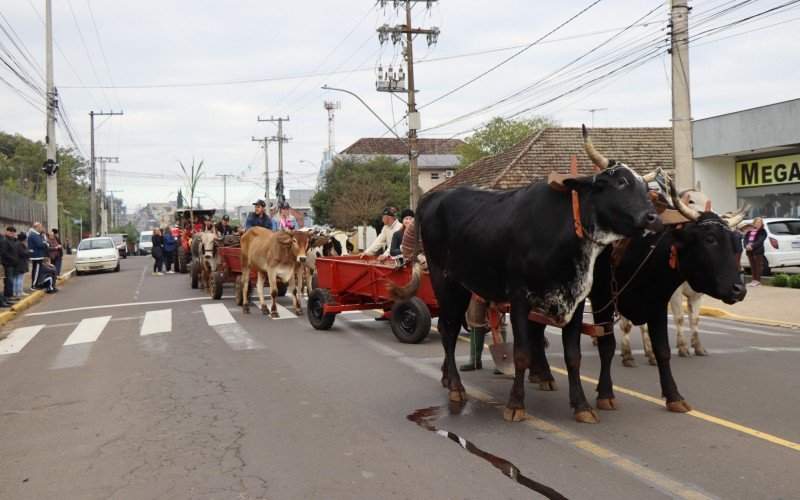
column 768, row 171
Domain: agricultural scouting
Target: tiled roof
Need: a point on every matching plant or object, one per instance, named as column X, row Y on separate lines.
column 394, row 146
column 642, row 149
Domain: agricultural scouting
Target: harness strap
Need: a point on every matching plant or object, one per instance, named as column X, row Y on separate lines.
column 576, row 214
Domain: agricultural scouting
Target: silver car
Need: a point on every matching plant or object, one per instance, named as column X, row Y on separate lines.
column 782, row 246
column 96, row 254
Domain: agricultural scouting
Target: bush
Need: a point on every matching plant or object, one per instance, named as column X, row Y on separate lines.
column 780, row 280
column 794, row 281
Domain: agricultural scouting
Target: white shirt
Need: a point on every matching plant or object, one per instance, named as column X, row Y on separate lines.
column 384, row 239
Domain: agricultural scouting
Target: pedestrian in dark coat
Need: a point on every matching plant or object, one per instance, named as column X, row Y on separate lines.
column 23, row 255
column 59, row 254
column 169, row 250
column 8, row 257
column 48, row 277
column 754, row 246
column 158, row 252
column 39, row 248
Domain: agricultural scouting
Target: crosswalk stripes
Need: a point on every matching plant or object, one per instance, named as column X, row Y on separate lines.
column 88, row 330
column 157, row 322
column 17, row 339
column 284, row 313
column 219, row 318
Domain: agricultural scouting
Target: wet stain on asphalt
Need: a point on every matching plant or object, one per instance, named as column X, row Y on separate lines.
column 425, row 418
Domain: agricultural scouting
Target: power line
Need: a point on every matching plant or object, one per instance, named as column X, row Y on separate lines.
column 86, row 49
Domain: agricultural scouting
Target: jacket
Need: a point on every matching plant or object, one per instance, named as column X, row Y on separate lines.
column 289, row 221
column 23, row 255
column 38, row 245
column 384, row 239
column 8, row 252
column 264, row 221
column 758, row 243
column 54, row 249
column 169, row 242
column 223, row 230
column 397, row 241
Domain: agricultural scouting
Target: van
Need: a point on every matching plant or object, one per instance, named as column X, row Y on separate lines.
column 145, row 242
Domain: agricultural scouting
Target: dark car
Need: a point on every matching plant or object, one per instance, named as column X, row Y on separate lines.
column 120, row 243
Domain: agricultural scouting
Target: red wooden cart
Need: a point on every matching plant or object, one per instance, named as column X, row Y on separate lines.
column 230, row 271
column 349, row 283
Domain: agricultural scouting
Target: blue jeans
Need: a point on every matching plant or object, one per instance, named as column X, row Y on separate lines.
column 18, row 283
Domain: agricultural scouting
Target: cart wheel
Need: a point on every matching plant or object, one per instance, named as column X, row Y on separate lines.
column 215, row 283
column 238, row 288
column 318, row 319
column 183, row 260
column 282, row 289
column 410, row 320
column 194, row 274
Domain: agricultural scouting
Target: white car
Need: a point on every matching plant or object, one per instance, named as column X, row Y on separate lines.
column 96, row 254
column 145, row 242
column 782, row 246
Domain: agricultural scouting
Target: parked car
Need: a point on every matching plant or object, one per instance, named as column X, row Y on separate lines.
column 145, row 242
column 96, row 254
column 120, row 243
column 782, row 246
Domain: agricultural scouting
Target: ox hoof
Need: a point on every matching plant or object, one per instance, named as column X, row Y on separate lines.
column 678, row 406
column 534, row 378
column 273, row 314
column 684, row 352
column 700, row 351
column 587, row 417
column 511, row 415
column 444, row 381
column 246, row 310
column 547, row 385
column 298, row 312
column 653, row 361
column 629, row 362
column 456, row 396
column 607, row 404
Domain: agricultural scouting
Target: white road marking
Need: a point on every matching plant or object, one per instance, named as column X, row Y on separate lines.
column 88, row 330
column 17, row 339
column 127, row 304
column 157, row 322
column 363, row 320
column 139, row 286
column 217, row 314
column 284, row 313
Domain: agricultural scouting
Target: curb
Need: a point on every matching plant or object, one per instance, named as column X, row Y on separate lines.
column 720, row 313
column 30, row 300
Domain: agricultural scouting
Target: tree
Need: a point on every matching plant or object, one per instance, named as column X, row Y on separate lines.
column 498, row 135
column 192, row 177
column 180, row 198
column 355, row 193
column 128, row 229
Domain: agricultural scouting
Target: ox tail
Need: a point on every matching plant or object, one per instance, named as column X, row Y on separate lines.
column 408, row 291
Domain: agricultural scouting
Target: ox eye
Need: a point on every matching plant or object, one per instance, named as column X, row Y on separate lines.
column 711, row 239
column 622, row 182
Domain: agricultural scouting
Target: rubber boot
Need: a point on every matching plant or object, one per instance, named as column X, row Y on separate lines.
column 496, row 370
column 476, row 339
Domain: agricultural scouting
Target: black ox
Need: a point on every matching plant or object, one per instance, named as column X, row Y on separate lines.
column 650, row 269
column 520, row 246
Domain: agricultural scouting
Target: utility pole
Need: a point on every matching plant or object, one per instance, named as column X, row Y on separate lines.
column 225, row 190
column 394, row 83
column 50, row 139
column 681, row 103
column 114, row 221
column 266, row 141
column 280, row 139
column 104, row 193
column 92, row 159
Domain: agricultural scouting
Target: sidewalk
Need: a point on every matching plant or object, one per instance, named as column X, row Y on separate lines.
column 765, row 304
column 67, row 265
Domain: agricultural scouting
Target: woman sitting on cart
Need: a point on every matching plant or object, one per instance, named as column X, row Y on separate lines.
column 285, row 220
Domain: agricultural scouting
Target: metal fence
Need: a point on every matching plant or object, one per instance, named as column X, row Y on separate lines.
column 19, row 210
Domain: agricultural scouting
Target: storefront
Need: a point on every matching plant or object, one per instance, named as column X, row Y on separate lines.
column 751, row 156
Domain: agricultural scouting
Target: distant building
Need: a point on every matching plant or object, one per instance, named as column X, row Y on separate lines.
column 437, row 157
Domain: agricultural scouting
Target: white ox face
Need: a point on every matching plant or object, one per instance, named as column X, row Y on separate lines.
column 342, row 245
column 208, row 243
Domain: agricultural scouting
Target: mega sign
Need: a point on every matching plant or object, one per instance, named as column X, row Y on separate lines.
column 768, row 171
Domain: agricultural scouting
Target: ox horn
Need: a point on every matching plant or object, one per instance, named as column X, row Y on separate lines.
column 652, row 175
column 596, row 157
column 683, row 208
column 737, row 216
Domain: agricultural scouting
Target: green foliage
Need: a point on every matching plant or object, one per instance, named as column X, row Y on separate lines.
column 780, row 280
column 354, row 193
column 192, row 176
column 129, row 229
column 794, row 281
column 498, row 135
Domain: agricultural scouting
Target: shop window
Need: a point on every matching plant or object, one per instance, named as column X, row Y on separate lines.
column 773, row 205
column 435, row 176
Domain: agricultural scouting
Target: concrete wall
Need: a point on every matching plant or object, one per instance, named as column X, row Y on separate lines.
column 765, row 127
column 718, row 180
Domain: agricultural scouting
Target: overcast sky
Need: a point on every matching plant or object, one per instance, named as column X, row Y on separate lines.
column 193, row 77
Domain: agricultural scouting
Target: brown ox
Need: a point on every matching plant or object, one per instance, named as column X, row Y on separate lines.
column 279, row 256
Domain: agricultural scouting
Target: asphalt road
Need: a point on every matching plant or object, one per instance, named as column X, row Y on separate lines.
column 163, row 392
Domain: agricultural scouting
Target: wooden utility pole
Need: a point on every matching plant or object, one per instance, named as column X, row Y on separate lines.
column 225, row 190
column 681, row 103
column 92, row 159
column 280, row 139
column 266, row 141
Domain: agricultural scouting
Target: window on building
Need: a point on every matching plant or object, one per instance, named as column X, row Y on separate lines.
column 435, row 175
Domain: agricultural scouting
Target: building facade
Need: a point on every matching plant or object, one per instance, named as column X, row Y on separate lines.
column 751, row 156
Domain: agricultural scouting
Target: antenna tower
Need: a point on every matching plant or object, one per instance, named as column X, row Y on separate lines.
column 331, row 106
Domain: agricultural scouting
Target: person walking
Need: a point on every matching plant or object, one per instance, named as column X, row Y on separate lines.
column 39, row 248
column 754, row 247
column 158, row 252
column 8, row 257
column 23, row 255
column 169, row 250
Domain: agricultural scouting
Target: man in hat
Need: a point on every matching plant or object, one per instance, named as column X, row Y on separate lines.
column 285, row 221
column 8, row 257
column 208, row 225
column 259, row 217
column 223, row 227
column 384, row 240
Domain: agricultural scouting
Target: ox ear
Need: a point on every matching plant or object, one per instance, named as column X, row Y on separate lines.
column 579, row 184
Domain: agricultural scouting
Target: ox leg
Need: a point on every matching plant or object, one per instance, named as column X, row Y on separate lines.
column 245, row 289
column 625, row 351
column 453, row 302
column 273, row 292
column 540, row 368
column 606, row 400
column 676, row 305
column 298, row 307
column 669, row 389
column 648, row 346
column 260, row 289
column 515, row 408
column 571, row 338
column 694, row 318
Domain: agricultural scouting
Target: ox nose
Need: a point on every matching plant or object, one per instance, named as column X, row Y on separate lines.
column 739, row 291
column 653, row 221
column 302, row 258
